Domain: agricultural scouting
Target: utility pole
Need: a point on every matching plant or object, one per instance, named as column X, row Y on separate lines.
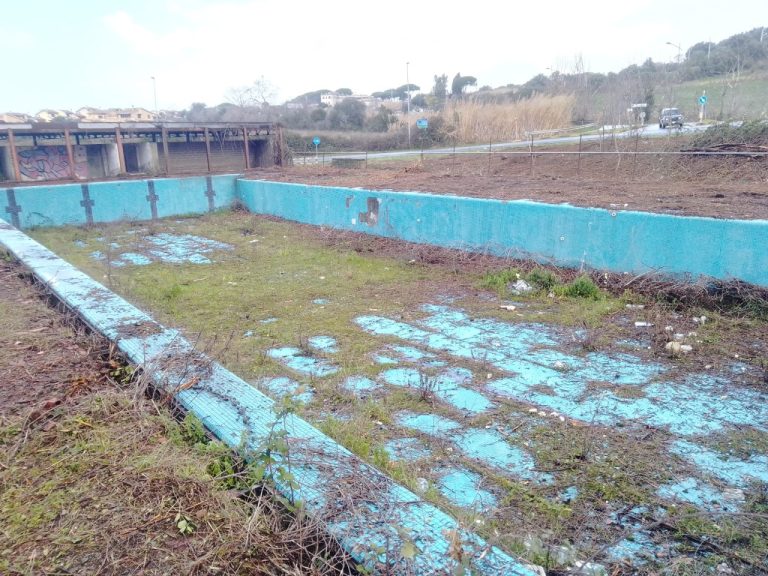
column 154, row 92
column 408, row 105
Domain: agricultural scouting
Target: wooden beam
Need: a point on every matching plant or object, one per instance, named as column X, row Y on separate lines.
column 14, row 156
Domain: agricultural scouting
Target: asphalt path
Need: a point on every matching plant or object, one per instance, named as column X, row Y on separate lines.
column 649, row 131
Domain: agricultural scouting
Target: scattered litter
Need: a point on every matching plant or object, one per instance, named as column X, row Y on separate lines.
column 686, row 348
column 635, row 306
column 520, row 287
column 673, row 347
column 669, row 328
column 421, row 484
column 700, row 320
column 643, row 324
column 509, row 307
column 248, row 333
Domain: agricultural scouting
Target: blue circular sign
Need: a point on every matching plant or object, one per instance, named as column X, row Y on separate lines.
column 702, row 99
column 316, row 141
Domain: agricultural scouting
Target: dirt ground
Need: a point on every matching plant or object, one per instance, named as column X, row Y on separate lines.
column 720, row 187
column 97, row 479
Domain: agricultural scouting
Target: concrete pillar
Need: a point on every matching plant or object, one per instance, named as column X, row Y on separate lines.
column 6, row 164
column 149, row 160
column 112, row 160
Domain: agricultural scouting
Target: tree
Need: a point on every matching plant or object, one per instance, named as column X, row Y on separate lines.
column 440, row 89
column 318, row 115
column 344, row 92
column 196, row 112
column 460, row 83
column 419, row 101
column 381, row 121
column 349, row 114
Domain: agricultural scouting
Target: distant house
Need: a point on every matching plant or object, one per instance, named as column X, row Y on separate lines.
column 13, row 118
column 331, row 99
column 88, row 114
column 51, row 115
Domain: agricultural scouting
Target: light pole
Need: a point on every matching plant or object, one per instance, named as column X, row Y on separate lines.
column 679, row 50
column 154, row 92
column 408, row 105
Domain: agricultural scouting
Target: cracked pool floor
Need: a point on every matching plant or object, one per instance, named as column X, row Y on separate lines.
column 509, row 420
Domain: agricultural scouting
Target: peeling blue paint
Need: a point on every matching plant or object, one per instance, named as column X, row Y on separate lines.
column 404, row 377
column 463, row 488
column 492, row 449
column 321, row 301
column 268, row 320
column 699, row 494
column 739, row 473
column 283, row 387
column 238, row 413
column 167, row 248
column 432, row 424
column 544, row 376
column 135, row 258
column 295, row 360
column 408, row 449
column 569, row 494
column 360, row 385
column 325, row 344
column 380, row 358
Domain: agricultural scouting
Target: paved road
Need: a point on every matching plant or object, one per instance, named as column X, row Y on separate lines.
column 649, row 131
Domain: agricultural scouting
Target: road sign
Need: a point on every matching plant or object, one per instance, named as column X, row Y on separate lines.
column 422, row 123
column 316, row 141
column 703, row 99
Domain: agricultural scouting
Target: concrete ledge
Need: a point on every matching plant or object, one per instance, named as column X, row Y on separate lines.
column 91, row 202
column 620, row 241
column 363, row 508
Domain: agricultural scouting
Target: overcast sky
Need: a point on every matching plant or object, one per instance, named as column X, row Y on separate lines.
column 68, row 54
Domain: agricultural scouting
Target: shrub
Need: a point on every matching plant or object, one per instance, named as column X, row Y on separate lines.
column 543, row 279
column 582, row 287
column 498, row 281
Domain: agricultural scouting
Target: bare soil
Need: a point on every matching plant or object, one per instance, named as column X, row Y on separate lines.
column 97, row 479
column 719, row 187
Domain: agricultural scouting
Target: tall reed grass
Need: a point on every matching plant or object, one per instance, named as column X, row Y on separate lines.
column 496, row 121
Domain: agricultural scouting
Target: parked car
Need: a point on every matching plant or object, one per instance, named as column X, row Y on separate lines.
column 670, row 117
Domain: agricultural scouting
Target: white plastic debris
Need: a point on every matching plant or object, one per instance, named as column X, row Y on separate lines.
column 635, row 306
column 643, row 324
column 686, row 348
column 669, row 328
column 422, row 484
column 509, row 307
column 673, row 347
column 520, row 287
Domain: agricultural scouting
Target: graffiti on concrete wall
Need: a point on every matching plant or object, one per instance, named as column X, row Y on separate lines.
column 51, row 163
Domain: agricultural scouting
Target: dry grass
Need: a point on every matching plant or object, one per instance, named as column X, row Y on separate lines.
column 497, row 121
column 96, row 478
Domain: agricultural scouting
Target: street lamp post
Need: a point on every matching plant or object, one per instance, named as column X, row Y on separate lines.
column 154, row 91
column 679, row 51
column 408, row 105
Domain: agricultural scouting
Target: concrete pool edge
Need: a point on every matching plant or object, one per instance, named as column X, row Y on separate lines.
column 619, row 241
column 559, row 234
column 236, row 412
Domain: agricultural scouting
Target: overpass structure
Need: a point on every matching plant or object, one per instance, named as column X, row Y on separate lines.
column 93, row 150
